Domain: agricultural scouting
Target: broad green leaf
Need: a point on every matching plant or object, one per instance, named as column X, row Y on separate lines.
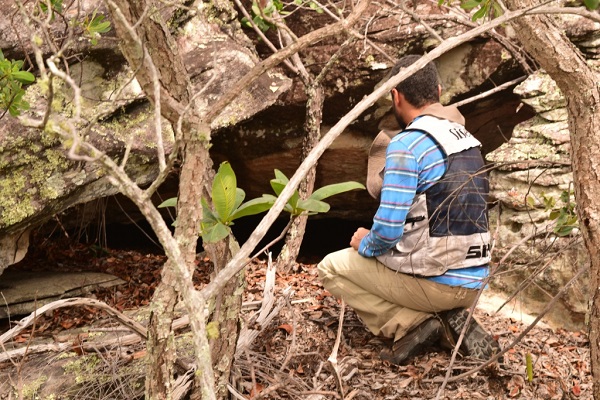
column 208, row 216
column 214, row 233
column 172, row 202
column 279, row 183
column 554, row 214
column 240, row 195
column 277, row 186
column 254, row 206
column 312, row 206
column 591, row 4
column 224, row 191
column 280, row 176
column 337, row 188
column 23, row 76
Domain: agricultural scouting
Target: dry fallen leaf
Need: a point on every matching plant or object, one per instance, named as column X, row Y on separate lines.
column 286, row 327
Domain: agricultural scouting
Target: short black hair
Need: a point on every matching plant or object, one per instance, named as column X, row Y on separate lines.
column 421, row 88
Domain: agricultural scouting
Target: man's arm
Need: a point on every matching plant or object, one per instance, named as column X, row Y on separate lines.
column 399, row 189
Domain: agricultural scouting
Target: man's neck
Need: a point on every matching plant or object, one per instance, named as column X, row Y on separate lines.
column 413, row 113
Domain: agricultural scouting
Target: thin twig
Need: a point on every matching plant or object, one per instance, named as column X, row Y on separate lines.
column 489, row 92
column 333, row 357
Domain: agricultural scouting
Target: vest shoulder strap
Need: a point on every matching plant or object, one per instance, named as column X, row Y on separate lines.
column 453, row 137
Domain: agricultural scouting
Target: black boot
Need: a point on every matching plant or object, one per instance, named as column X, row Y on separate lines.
column 414, row 343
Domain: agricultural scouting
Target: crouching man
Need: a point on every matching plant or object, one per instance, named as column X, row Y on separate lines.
column 413, row 274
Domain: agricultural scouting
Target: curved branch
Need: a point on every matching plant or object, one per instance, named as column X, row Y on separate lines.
column 76, row 301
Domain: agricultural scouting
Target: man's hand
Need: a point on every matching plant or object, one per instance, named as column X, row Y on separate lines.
column 357, row 237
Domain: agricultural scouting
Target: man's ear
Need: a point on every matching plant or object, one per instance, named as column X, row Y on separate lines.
column 439, row 90
column 397, row 97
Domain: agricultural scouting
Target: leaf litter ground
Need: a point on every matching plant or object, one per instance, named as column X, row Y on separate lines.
column 289, row 358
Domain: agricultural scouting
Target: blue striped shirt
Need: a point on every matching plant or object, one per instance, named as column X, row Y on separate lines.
column 414, row 162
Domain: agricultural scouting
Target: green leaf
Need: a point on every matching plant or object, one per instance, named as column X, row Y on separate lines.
column 277, row 186
column 572, row 220
column 561, row 220
column 215, row 232
column 470, row 4
column 279, row 183
column 312, row 206
column 315, row 7
column 172, row 202
column 240, row 195
column 246, row 22
column 480, row 13
column 97, row 24
column 260, row 23
column 337, row 188
column 531, row 201
column 224, row 191
column 554, row 214
column 23, row 76
column 281, row 177
column 563, row 230
column 565, row 197
column 498, row 10
column 255, row 8
column 254, row 206
column 208, row 216
column 591, row 4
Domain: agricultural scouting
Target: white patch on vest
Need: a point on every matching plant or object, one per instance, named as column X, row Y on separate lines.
column 452, row 137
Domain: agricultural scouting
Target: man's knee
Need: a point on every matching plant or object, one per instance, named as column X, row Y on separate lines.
column 324, row 267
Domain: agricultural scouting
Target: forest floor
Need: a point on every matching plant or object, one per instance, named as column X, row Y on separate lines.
column 289, row 358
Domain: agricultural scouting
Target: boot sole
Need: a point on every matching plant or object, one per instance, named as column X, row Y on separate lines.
column 476, row 342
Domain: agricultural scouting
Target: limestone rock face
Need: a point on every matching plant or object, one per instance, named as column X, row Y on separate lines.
column 531, row 183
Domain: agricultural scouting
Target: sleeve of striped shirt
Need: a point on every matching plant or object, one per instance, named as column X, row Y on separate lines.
column 399, row 188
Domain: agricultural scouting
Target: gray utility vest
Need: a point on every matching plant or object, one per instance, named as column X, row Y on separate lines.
column 447, row 225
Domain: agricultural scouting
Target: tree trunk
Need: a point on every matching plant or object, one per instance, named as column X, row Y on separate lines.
column 196, row 165
column 225, row 315
column 581, row 87
column 314, row 116
column 194, row 182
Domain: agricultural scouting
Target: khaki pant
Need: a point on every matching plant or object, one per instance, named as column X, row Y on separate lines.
column 389, row 303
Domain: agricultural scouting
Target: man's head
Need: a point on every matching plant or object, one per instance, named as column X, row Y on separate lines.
column 418, row 90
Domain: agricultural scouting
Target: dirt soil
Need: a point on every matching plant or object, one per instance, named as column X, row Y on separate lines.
column 289, row 358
